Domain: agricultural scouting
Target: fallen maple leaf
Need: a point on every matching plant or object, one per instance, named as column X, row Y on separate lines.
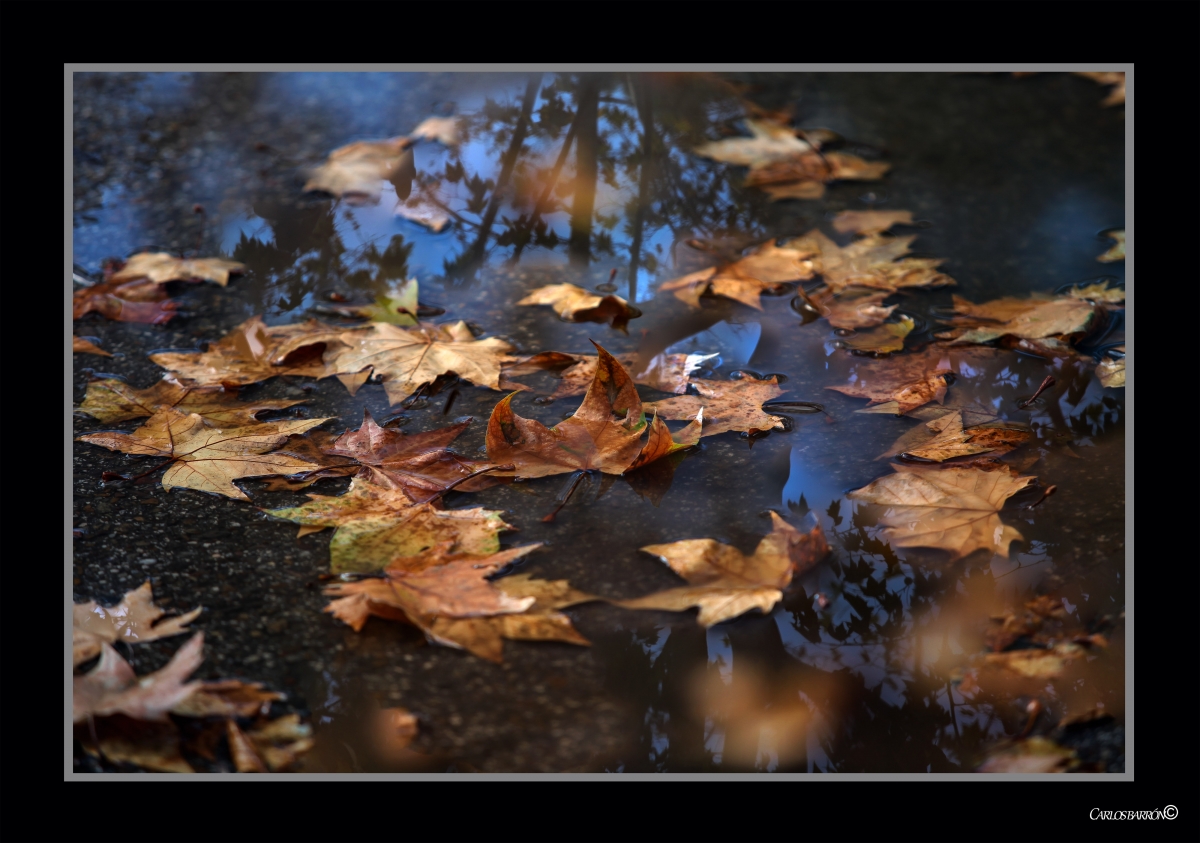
column 872, row 261
column 725, row 582
column 793, row 167
column 81, row 346
column 765, row 269
column 945, row 438
column 952, row 508
column 161, row 267
column 1117, row 251
column 665, row 372
column 113, row 688
column 357, row 171
column 377, row 523
column 1111, row 370
column 575, row 304
column 727, row 405
column 111, row 400
column 408, row 358
column 125, row 301
column 884, row 339
column 1117, row 95
column 870, row 222
column 1063, row 317
column 209, row 459
column 852, row 309
column 132, row 620
column 589, row 440
column 253, row 352
column 901, row 383
column 542, row 621
column 432, row 583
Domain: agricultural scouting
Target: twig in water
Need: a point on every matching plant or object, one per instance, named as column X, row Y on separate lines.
column 565, row 495
column 1050, row 490
column 1046, row 384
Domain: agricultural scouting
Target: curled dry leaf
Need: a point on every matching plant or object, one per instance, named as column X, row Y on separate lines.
column 744, row 280
column 209, row 459
column 125, row 301
column 945, row 438
column 376, row 524
column 113, row 688
column 161, row 267
column 575, row 304
column 253, row 352
column 591, row 439
column 1111, row 370
column 952, row 508
column 724, row 582
column 408, row 358
column 1117, row 251
column 81, row 346
column 111, row 400
column 132, row 620
column 727, row 405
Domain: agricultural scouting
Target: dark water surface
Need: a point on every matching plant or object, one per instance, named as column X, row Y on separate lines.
column 855, row 670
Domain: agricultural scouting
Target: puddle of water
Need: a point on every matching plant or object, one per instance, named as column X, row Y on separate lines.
column 857, row 668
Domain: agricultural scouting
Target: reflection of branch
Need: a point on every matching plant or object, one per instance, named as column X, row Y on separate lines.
column 540, row 207
column 510, row 160
column 646, row 114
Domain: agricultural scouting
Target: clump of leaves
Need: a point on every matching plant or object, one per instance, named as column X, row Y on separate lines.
column 724, row 582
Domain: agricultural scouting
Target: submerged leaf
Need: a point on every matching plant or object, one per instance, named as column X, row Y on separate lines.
column 885, row 339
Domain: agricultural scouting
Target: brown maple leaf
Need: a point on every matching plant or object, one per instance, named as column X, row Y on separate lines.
column 409, row 358
column 953, row 508
column 724, row 582
column 901, row 383
column 575, row 304
column 727, row 405
column 791, row 168
column 882, row 339
column 356, row 172
column 81, row 346
column 134, row 619
column 432, row 583
column 1063, row 318
column 873, row 261
column 111, row 400
column 209, row 459
column 591, row 439
column 854, row 308
column 253, row 352
column 113, row 688
column 945, row 438
column 161, row 267
column 125, row 301
column 378, row 523
column 766, row 268
column 665, row 372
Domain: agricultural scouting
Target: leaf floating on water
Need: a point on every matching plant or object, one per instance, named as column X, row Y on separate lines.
column 947, row 439
column 110, row 400
column 952, row 508
column 854, row 308
column 885, row 339
column 161, row 267
column 872, row 261
column 727, row 405
column 358, row 170
column 575, row 304
column 724, row 582
column 125, row 301
column 746, row 279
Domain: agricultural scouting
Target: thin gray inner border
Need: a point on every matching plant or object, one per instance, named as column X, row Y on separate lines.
column 948, row 67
